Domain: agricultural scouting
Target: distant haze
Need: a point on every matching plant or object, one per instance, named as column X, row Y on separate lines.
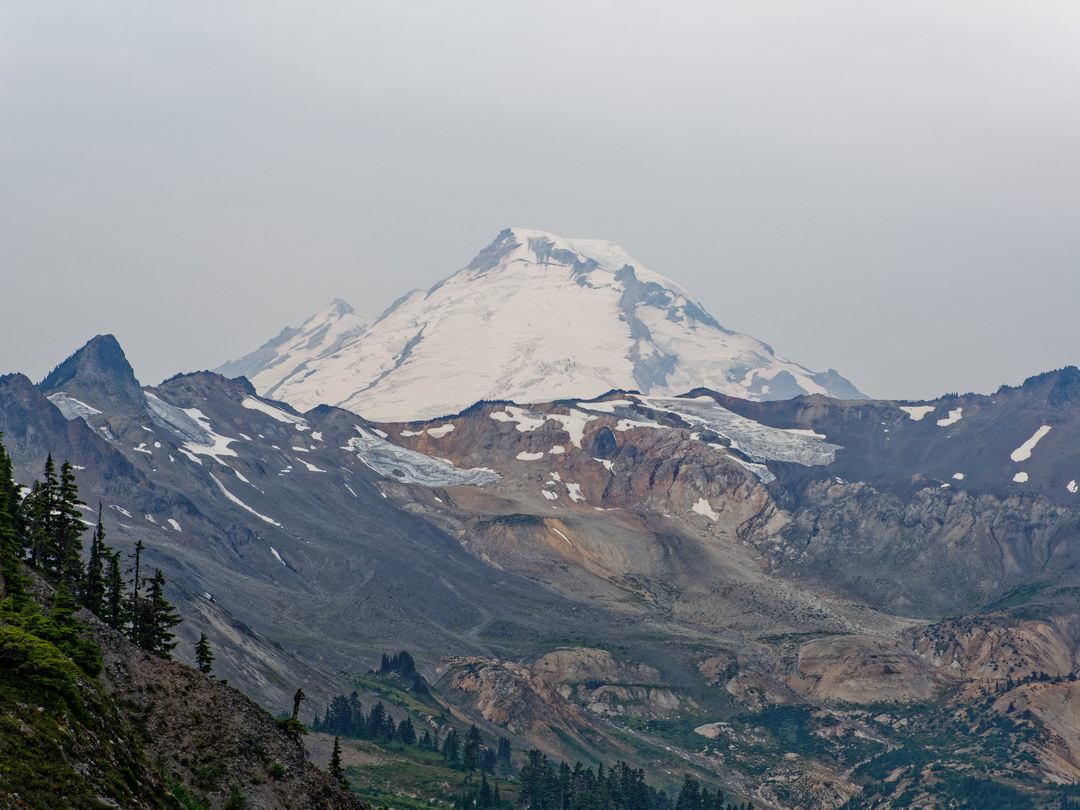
column 891, row 190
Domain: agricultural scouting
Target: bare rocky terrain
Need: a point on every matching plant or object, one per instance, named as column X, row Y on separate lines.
column 817, row 601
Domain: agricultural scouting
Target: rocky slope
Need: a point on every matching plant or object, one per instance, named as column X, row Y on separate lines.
column 533, row 317
column 806, row 577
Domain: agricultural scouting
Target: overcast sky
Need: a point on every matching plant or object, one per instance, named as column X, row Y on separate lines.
column 890, row 189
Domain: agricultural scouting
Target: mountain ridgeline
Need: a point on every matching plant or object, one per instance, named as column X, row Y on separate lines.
column 806, row 602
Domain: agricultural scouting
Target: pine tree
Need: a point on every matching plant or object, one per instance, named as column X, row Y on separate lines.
column 38, row 508
column 69, row 527
column 451, row 748
column 94, row 586
column 159, row 619
column 204, row 657
column 135, row 608
column 13, row 582
column 470, row 755
column 336, row 770
column 113, row 610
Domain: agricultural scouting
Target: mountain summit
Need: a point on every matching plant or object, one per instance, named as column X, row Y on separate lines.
column 534, row 317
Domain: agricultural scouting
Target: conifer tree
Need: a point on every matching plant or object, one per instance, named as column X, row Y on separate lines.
column 158, row 620
column 470, row 754
column 94, row 585
column 204, row 656
column 38, row 510
column 451, row 748
column 336, row 770
column 134, row 607
column 12, row 580
column 69, row 527
column 113, row 611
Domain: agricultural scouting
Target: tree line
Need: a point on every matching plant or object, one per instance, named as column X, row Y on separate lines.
column 45, row 530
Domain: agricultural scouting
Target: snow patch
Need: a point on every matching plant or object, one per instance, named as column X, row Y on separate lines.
column 524, row 420
column 72, row 408
column 439, row 432
column 1021, row 477
column 574, row 424
column 212, row 444
column 150, row 518
column 241, row 504
column 174, row 524
column 958, row 476
column 557, row 450
column 274, row 413
column 563, row 536
column 551, row 496
column 1072, row 486
column 311, row 467
column 142, row 449
column 1023, row 452
column 122, row 511
column 574, row 491
column 953, row 417
column 526, row 456
column 608, row 465
column 917, row 412
column 274, row 551
column 412, row 467
column 605, row 407
column 703, row 507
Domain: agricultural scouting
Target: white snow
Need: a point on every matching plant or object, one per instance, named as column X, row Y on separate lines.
column 299, row 449
column 524, row 420
column 759, row 442
column 316, row 435
column 1072, row 486
column 351, row 491
column 526, row 456
column 274, row 551
column 412, row 467
column 150, row 518
column 703, row 507
column 439, row 432
column 1023, row 452
column 953, row 417
column 408, row 433
column 213, row 444
column 311, row 467
column 574, row 491
column 72, row 408
column 513, row 330
column 241, row 504
column 1020, row 477
column 174, row 524
column 608, row 465
column 142, row 449
column 272, row 412
column 555, row 476
column 917, row 412
column 122, row 511
column 239, row 475
column 574, row 424
column 958, row 476
column 208, row 596
column 563, row 536
column 557, row 450
column 551, row 496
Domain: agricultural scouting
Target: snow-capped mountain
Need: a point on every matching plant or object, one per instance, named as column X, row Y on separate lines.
column 534, row 317
column 289, row 353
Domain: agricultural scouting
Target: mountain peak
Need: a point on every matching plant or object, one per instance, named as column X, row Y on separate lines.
column 534, row 317
column 99, row 375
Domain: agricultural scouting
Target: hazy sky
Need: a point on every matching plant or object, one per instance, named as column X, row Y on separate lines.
column 891, row 189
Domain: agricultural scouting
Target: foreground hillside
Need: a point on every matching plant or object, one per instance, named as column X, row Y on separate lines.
column 810, row 602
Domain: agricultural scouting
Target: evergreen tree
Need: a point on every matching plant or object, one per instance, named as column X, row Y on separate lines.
column 135, row 607
column 94, row 586
column 113, row 610
column 159, row 617
column 376, row 723
column 13, row 582
column 470, row 754
column 204, row 656
column 69, row 527
column 38, row 510
column 451, row 748
column 336, row 770
column 406, row 734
